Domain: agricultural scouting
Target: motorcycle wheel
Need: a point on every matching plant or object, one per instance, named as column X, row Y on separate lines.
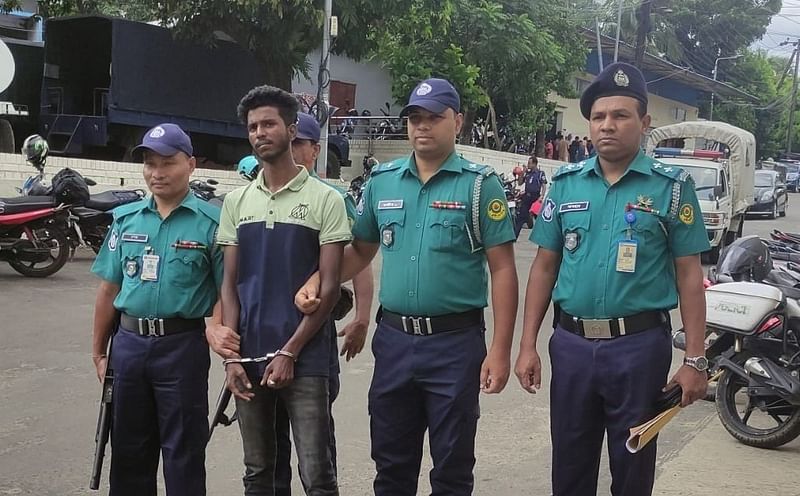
column 778, row 424
column 59, row 253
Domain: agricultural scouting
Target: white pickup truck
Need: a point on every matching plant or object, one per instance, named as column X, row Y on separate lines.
column 723, row 173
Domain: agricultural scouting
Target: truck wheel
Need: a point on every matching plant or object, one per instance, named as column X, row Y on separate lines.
column 6, row 137
column 333, row 169
column 712, row 256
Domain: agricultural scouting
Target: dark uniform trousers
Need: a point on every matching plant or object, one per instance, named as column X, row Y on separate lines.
column 524, row 212
column 283, row 458
column 425, row 382
column 598, row 386
column 160, row 404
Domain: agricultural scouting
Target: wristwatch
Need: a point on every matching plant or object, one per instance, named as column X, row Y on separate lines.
column 699, row 363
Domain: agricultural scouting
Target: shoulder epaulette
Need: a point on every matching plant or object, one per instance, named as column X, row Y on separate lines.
column 481, row 169
column 386, row 166
column 568, row 169
column 671, row 171
column 209, row 210
column 129, row 208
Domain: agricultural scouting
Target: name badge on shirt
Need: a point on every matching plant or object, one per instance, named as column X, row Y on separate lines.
column 626, row 255
column 135, row 238
column 150, row 267
column 579, row 206
column 390, row 204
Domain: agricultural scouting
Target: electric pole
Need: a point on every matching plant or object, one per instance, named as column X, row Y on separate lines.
column 790, row 123
column 325, row 62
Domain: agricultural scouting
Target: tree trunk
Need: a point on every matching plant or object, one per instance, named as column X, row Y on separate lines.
column 465, row 137
column 493, row 125
column 539, row 143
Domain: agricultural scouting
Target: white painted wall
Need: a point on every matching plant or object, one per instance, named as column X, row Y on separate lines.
column 373, row 83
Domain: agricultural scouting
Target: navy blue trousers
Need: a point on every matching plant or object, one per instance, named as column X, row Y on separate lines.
column 160, row 406
column 419, row 383
column 599, row 387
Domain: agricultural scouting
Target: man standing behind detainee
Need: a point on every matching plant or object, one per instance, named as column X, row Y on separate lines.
column 277, row 231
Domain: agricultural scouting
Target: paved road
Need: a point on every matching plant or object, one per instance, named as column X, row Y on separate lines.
column 48, row 398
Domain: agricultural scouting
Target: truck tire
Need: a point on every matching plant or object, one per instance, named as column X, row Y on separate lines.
column 6, row 137
column 712, row 255
column 333, row 169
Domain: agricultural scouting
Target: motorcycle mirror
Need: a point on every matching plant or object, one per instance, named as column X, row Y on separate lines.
column 89, row 181
column 212, row 182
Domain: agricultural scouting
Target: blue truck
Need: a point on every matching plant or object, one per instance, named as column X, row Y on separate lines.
column 106, row 80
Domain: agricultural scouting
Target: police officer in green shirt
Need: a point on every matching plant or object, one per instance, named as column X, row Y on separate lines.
column 437, row 219
column 160, row 272
column 620, row 237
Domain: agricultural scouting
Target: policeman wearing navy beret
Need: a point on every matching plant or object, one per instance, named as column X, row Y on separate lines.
column 620, row 237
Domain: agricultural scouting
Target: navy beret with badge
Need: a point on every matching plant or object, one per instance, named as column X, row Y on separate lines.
column 618, row 79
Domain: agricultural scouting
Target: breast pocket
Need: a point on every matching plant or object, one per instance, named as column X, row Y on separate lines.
column 447, row 229
column 390, row 225
column 647, row 231
column 575, row 232
column 186, row 268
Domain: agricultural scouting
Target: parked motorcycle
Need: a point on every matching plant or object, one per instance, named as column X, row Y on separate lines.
column 753, row 325
column 206, row 190
column 32, row 238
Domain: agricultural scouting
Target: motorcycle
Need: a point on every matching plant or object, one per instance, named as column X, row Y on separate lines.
column 206, row 190
column 752, row 330
column 86, row 225
column 32, row 239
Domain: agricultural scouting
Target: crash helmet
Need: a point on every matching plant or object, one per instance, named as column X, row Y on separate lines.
column 518, row 171
column 35, row 150
column 746, row 259
column 248, row 167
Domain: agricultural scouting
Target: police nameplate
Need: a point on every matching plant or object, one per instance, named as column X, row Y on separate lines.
column 390, row 204
column 579, row 206
column 135, row 238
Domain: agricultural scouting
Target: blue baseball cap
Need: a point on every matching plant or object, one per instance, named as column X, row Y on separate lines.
column 434, row 95
column 165, row 140
column 307, row 127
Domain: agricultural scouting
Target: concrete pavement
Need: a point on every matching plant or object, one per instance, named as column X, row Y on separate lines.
column 48, row 408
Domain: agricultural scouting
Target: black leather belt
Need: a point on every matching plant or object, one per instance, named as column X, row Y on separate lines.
column 612, row 328
column 159, row 327
column 425, row 326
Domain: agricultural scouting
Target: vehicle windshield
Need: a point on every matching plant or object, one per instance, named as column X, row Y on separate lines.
column 705, row 178
column 792, row 168
column 764, row 180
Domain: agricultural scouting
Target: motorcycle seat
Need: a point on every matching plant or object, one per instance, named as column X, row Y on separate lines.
column 23, row 204
column 108, row 200
column 87, row 213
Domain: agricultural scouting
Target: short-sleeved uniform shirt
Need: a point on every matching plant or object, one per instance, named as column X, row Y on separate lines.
column 279, row 237
column 188, row 278
column 583, row 219
column 432, row 263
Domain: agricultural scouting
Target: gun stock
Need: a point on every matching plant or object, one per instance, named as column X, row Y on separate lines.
column 219, row 416
column 103, row 429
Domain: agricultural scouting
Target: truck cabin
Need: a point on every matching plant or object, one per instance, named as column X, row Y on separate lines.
column 708, row 169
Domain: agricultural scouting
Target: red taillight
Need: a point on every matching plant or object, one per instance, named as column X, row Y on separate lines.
column 769, row 325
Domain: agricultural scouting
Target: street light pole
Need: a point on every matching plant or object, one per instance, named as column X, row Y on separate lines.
column 322, row 161
column 619, row 25
column 714, row 74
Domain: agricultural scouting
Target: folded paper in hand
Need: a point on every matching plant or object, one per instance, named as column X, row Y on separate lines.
column 644, row 433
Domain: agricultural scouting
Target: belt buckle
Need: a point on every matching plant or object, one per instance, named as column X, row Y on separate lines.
column 151, row 329
column 413, row 325
column 596, row 328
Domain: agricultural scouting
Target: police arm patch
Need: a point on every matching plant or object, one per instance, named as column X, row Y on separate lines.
column 548, row 210
column 686, row 214
column 112, row 241
column 497, row 210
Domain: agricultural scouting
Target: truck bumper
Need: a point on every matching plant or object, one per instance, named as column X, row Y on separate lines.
column 715, row 236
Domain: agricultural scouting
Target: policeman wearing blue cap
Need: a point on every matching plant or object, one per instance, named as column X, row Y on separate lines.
column 620, row 237
column 437, row 219
column 160, row 273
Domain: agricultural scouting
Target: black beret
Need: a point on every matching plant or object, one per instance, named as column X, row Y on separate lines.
column 618, row 79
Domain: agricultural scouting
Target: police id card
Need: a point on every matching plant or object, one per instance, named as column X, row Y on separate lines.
column 626, row 255
column 150, row 267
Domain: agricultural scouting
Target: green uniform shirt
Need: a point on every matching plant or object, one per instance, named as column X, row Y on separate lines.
column 583, row 218
column 432, row 263
column 188, row 278
column 349, row 201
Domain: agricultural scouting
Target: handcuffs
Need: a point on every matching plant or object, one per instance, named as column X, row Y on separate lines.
column 266, row 358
